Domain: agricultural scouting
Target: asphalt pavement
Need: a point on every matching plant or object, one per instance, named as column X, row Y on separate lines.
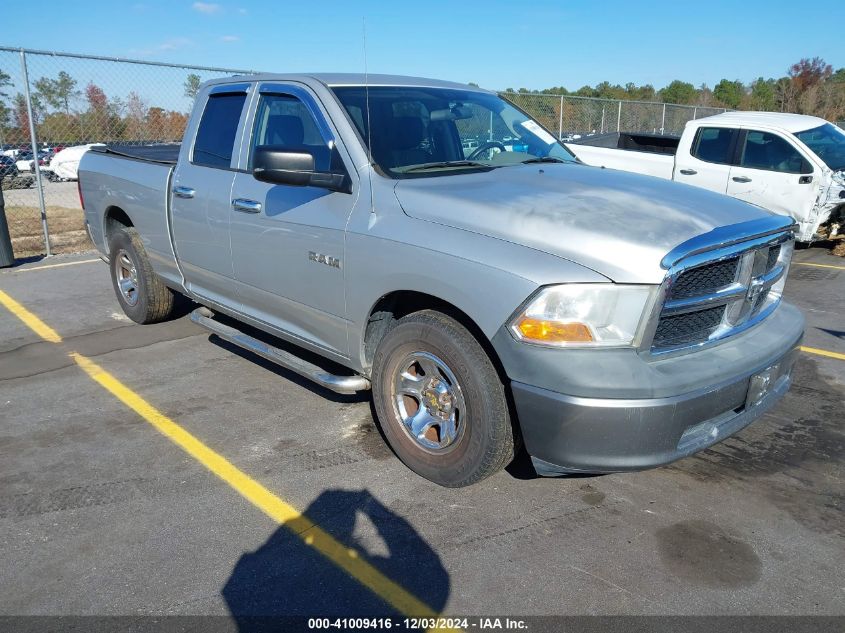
column 104, row 512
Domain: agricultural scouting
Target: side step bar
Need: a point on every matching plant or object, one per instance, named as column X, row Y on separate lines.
column 338, row 384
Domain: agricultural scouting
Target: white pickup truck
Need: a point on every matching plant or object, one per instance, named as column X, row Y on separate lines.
column 791, row 164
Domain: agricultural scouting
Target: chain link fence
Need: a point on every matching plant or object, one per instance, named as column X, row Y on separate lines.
column 54, row 105
column 569, row 115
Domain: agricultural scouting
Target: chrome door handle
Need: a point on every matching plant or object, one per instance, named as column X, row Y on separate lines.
column 689, row 172
column 741, row 179
column 183, row 192
column 246, row 206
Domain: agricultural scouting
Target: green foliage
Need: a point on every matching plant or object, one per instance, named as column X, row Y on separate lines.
column 646, row 92
column 810, row 86
column 192, row 85
column 763, row 95
column 679, row 92
column 557, row 90
column 5, row 80
column 5, row 115
column 60, row 127
column 729, row 92
column 58, row 92
column 19, row 112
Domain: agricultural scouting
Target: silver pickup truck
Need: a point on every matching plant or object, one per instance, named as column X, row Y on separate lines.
column 432, row 242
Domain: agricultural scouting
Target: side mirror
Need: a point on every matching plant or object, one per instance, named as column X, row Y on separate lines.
column 295, row 167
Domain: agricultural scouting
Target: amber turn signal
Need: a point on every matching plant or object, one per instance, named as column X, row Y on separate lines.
column 554, row 332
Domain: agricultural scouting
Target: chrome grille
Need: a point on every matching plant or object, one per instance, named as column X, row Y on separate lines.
column 704, row 279
column 684, row 329
column 714, row 294
column 772, row 259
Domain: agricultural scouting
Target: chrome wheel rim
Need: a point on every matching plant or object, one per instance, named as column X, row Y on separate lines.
column 428, row 401
column 126, row 275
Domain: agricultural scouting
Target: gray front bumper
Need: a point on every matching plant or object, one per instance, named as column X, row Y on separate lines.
column 606, row 432
column 569, row 434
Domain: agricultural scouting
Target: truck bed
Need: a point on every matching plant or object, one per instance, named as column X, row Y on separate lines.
column 164, row 153
column 649, row 154
column 134, row 180
column 655, row 143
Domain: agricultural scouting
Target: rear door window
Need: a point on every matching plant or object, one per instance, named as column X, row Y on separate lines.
column 215, row 139
column 714, row 144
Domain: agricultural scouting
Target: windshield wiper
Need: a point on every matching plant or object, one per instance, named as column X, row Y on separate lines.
column 543, row 159
column 442, row 164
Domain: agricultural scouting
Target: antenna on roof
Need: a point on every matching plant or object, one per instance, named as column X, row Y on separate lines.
column 370, row 163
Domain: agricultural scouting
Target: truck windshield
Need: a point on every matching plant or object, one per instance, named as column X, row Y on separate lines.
column 827, row 142
column 418, row 131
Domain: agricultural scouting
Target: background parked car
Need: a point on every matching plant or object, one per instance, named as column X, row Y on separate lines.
column 7, row 166
column 26, row 160
column 23, row 161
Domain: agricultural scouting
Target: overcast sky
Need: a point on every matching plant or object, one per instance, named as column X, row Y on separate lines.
column 497, row 44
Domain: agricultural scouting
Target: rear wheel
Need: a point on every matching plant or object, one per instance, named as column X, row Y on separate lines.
column 440, row 401
column 142, row 295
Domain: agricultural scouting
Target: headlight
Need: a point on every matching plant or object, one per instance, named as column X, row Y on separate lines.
column 584, row 315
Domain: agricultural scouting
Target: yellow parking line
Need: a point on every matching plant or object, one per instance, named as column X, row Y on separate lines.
column 61, row 265
column 823, row 352
column 30, row 320
column 273, row 506
column 820, row 265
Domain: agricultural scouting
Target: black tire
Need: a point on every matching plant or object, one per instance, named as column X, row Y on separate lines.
column 484, row 442
column 151, row 301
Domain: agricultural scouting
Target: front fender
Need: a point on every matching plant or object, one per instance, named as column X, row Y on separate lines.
column 485, row 278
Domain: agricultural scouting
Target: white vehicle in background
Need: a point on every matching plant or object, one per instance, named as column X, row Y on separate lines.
column 791, row 164
column 65, row 164
column 469, row 146
column 24, row 161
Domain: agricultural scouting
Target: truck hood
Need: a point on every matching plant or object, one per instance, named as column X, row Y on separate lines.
column 616, row 223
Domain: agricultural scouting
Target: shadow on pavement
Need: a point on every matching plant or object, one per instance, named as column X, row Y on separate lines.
column 836, row 333
column 287, row 577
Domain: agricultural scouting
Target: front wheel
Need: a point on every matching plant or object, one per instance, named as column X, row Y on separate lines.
column 142, row 295
column 440, row 401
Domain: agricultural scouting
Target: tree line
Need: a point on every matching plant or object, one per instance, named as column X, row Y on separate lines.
column 66, row 113
column 810, row 86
